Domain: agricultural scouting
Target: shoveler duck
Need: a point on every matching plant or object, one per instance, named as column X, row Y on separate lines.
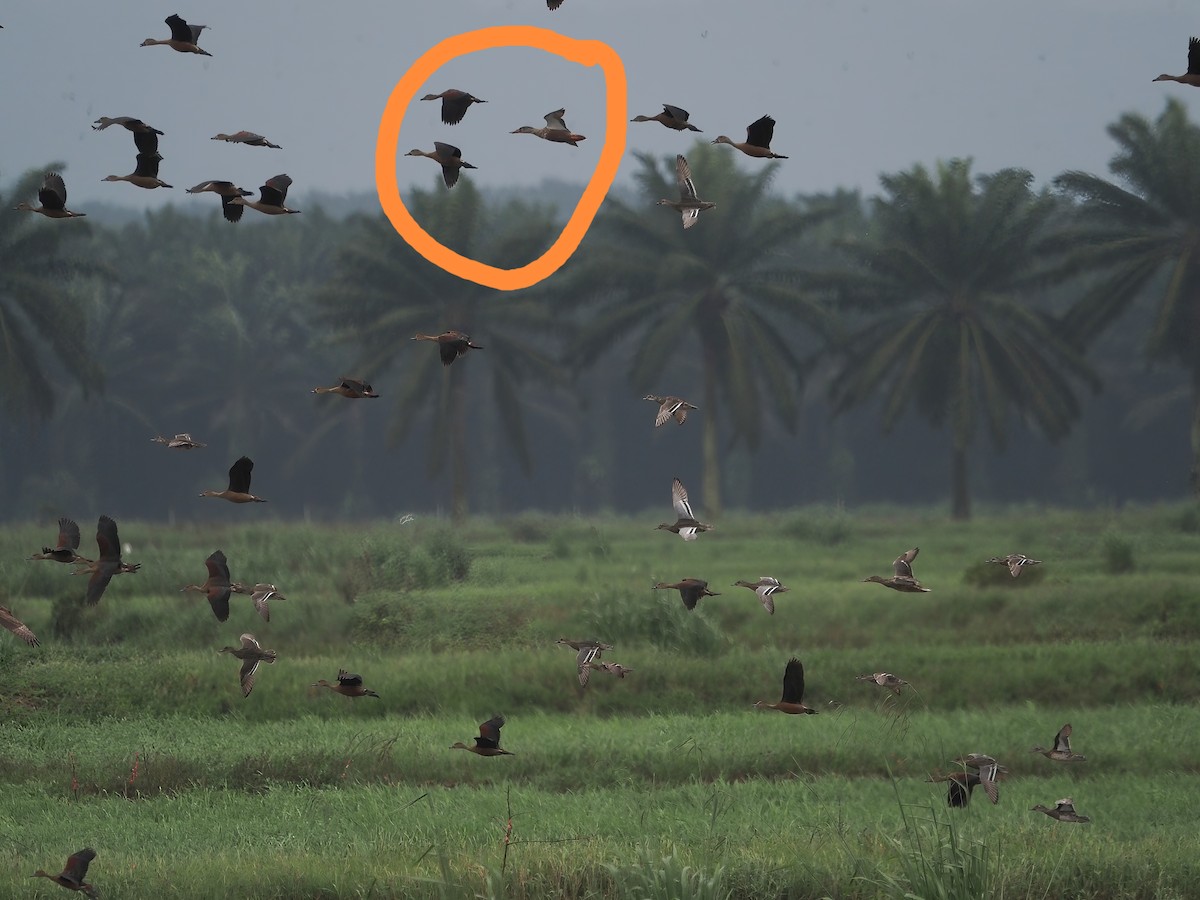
column 884, row 680
column 766, row 587
column 251, row 654
column 73, row 873
column 1064, row 811
column 903, row 579
column 672, row 116
column 226, row 190
column 109, row 563
column 348, row 685
column 271, row 197
column 686, row 525
column 351, row 388
column 181, row 441
column 451, row 344
column 1061, row 751
column 68, row 543
column 668, row 408
column 589, row 650
column 989, row 772
column 239, row 484
column 53, row 197
column 1015, row 562
column 145, row 173
column 1192, row 75
column 448, row 157
column 217, row 587
column 260, row 595
column 455, row 104
column 556, row 130
column 184, row 38
column 17, row 627
column 690, row 591
column 488, row 742
column 688, row 205
column 793, row 692
column 249, row 138
column 758, row 139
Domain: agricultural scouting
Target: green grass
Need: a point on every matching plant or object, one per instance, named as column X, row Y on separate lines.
column 126, row 729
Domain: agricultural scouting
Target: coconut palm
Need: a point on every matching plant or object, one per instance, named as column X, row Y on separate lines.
column 43, row 323
column 1142, row 240
column 382, row 293
column 716, row 303
column 947, row 278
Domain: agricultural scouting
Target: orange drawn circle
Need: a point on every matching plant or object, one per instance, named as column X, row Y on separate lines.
column 585, row 53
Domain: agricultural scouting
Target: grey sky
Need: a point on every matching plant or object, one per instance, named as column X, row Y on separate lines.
column 858, row 88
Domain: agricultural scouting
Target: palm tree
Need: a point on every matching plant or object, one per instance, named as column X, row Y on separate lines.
column 716, row 301
column 40, row 319
column 1143, row 240
column 944, row 277
column 382, row 292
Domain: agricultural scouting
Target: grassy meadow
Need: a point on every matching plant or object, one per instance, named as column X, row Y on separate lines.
column 126, row 729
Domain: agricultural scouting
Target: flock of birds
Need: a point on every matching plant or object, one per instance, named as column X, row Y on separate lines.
column 976, row 769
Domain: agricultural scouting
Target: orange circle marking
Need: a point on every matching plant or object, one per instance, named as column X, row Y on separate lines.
column 585, row 53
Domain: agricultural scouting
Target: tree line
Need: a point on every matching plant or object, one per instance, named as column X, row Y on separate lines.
column 957, row 334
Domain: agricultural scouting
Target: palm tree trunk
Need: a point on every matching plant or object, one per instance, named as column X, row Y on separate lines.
column 458, row 447
column 712, row 466
column 960, row 498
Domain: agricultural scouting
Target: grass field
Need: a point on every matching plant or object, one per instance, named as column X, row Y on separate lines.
column 126, row 730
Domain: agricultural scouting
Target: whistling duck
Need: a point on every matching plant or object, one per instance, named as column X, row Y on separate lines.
column 1064, row 811
column 1015, row 561
column 217, row 588
column 686, row 525
column 184, row 38
column 1061, row 751
column 989, row 772
column 455, row 104
column 611, row 668
column 17, row 627
column 249, row 138
column 68, row 543
column 488, row 742
column 903, row 579
column 451, row 344
column 766, row 587
column 671, row 116
column 960, row 787
column 1192, row 75
column 758, row 139
column 239, row 484
column 145, row 174
column 884, row 680
column 260, row 595
column 351, row 388
column 690, row 591
column 688, row 205
column 348, row 685
column 227, row 190
column 73, row 874
column 556, row 130
column 588, row 651
column 793, row 692
column 251, row 654
column 145, row 137
column 109, row 564
column 448, row 157
column 271, row 196
column 669, row 407
column 53, row 197
column 182, row 441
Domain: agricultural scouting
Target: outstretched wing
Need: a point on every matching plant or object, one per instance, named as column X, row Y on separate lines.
column 903, row 563
column 760, row 132
column 793, row 681
column 239, row 475
column 679, row 498
column 489, row 732
column 17, row 627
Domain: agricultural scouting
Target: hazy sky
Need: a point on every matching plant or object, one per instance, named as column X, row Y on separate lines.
column 857, row 87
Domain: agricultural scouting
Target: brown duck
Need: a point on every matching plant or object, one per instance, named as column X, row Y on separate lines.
column 903, row 579
column 348, row 685
column 239, row 484
column 217, row 588
column 73, row 873
column 1061, row 751
column 350, row 388
column 690, row 591
column 251, row 654
column 68, row 543
column 793, row 692
column 455, row 104
column 488, row 742
column 1064, row 811
column 451, row 344
column 109, row 564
